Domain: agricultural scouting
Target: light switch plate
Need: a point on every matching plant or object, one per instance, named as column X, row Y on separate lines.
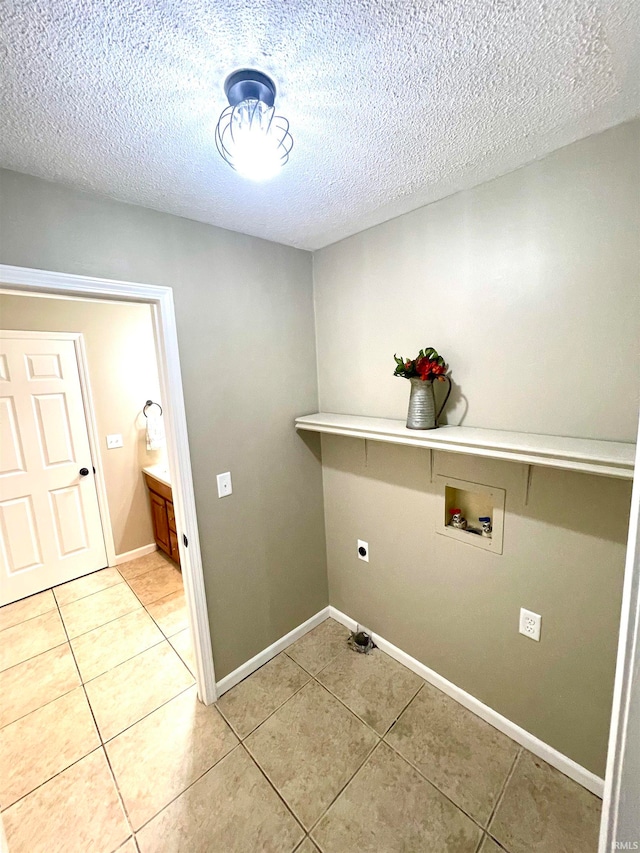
column 114, row 440
column 224, row 484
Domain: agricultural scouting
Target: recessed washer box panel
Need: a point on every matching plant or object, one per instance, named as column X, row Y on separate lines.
column 475, row 501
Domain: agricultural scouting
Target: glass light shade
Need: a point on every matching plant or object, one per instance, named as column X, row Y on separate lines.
column 253, row 140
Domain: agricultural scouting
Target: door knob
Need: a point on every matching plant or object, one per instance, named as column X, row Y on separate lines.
column 83, row 472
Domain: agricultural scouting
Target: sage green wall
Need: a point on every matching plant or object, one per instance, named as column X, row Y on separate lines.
column 123, row 372
column 244, row 311
column 529, row 286
column 455, row 607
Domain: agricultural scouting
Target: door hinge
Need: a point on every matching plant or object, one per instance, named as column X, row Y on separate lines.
column 185, row 540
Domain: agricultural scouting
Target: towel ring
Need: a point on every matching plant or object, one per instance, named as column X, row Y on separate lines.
column 150, row 403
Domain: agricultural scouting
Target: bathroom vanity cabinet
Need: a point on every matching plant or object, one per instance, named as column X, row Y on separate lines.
column 162, row 515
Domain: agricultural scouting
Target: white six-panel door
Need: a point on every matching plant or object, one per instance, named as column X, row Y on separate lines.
column 50, row 528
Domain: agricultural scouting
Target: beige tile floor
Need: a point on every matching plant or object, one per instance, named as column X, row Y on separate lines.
column 104, row 746
column 89, row 682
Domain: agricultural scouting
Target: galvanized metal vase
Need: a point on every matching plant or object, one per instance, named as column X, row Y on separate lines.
column 422, row 404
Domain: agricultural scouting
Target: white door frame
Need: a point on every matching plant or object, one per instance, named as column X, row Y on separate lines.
column 164, row 324
column 77, row 338
column 627, row 686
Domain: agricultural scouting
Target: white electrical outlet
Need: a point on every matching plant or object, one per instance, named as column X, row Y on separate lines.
column 224, row 484
column 363, row 550
column 530, row 624
column 114, row 440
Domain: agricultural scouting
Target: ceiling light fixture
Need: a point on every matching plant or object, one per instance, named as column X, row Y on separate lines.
column 249, row 135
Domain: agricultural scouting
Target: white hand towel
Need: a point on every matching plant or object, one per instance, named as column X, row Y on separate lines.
column 155, row 430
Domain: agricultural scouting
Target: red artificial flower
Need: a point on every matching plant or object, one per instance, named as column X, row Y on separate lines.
column 427, row 368
column 424, row 367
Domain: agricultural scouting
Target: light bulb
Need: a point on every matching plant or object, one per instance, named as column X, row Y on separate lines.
column 250, row 136
column 252, row 142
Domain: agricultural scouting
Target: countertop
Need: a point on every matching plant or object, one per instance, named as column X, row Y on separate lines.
column 159, row 472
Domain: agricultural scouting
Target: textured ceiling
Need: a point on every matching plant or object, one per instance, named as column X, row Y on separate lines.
column 392, row 103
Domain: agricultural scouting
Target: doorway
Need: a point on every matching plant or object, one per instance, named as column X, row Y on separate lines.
column 160, row 300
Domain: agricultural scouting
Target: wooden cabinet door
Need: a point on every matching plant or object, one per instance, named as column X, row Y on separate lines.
column 160, row 522
column 171, row 518
column 173, row 535
column 173, row 541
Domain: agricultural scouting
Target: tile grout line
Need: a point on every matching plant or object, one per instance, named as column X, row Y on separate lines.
column 51, row 778
column 66, row 633
column 131, row 725
column 150, row 615
column 44, row 704
column 295, row 693
column 108, row 622
column 99, row 747
column 101, row 742
column 360, row 765
column 322, row 668
column 503, row 791
column 311, row 678
column 277, row 792
column 180, row 656
column 484, row 830
column 82, row 683
column 164, row 639
column 104, row 743
column 124, row 844
column 126, row 660
column 380, row 739
column 29, row 618
column 433, row 785
column 344, row 705
column 135, row 577
column 346, row 785
column 190, row 785
column 88, row 594
column 404, row 709
column 156, row 602
column 33, row 657
column 242, row 738
column 100, row 738
column 315, row 679
column 369, row 726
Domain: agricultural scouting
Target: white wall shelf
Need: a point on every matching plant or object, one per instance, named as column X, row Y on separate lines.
column 607, row 458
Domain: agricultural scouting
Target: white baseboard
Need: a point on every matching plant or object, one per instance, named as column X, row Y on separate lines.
column 271, row 651
column 133, row 555
column 538, row 747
